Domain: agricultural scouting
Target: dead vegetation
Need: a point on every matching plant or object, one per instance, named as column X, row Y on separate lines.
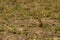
column 29, row 19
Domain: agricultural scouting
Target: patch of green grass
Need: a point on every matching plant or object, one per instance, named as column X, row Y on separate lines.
column 57, row 29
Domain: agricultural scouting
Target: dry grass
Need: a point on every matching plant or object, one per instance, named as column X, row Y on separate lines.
column 29, row 19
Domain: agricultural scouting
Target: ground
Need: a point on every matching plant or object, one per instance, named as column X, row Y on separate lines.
column 29, row 19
